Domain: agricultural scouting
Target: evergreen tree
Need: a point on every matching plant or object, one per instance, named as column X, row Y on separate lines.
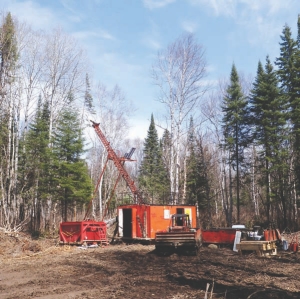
column 268, row 120
column 203, row 163
column 73, row 185
column 191, row 165
column 35, row 158
column 162, row 172
column 235, row 132
column 8, row 53
column 198, row 189
column 8, row 123
column 166, row 143
column 153, row 175
column 288, row 64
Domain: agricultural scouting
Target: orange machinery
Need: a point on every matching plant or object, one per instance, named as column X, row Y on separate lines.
column 144, row 221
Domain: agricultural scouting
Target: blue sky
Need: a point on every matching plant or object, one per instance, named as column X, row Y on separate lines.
column 122, row 37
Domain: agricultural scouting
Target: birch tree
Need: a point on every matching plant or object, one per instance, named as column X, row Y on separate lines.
column 64, row 72
column 178, row 72
column 32, row 61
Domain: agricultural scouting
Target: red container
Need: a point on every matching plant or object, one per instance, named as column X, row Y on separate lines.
column 266, row 235
column 82, row 231
column 293, row 247
column 270, row 235
column 218, row 236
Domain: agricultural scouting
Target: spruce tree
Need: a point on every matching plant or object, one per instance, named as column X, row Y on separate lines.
column 268, row 120
column 198, row 188
column 235, row 132
column 73, row 185
column 191, row 165
column 288, row 64
column 34, row 164
column 163, row 185
column 166, row 143
column 203, row 163
column 152, row 176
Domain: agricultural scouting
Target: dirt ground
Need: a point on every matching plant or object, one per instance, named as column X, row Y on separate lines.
column 42, row 269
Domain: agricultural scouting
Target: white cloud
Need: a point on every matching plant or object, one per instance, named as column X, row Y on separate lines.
column 260, row 26
column 119, row 70
column 152, row 36
column 75, row 19
column 189, row 26
column 219, row 7
column 68, row 5
column 74, row 15
column 152, row 4
column 260, row 22
column 32, row 13
column 133, row 78
column 152, row 43
column 211, row 68
column 93, row 34
column 271, row 6
column 233, row 8
column 39, row 16
column 138, row 128
column 117, row 67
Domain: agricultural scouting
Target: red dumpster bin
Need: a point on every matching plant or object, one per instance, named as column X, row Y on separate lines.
column 78, row 232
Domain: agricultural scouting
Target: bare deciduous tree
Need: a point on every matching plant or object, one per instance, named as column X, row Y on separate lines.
column 179, row 72
column 32, row 63
column 63, row 72
column 112, row 112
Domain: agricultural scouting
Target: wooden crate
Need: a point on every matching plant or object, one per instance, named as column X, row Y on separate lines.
column 262, row 248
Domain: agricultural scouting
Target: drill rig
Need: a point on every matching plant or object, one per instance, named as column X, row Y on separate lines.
column 89, row 231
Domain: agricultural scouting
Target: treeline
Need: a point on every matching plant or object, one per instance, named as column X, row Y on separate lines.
column 244, row 167
column 261, row 139
column 42, row 173
column 50, row 161
column 234, row 152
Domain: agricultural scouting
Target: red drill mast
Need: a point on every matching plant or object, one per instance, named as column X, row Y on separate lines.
column 120, row 166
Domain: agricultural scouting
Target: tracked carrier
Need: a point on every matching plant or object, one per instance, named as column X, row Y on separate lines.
column 180, row 237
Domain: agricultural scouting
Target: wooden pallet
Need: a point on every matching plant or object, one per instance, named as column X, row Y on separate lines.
column 262, row 248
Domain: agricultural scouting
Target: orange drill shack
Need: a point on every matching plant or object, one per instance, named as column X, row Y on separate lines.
column 142, row 221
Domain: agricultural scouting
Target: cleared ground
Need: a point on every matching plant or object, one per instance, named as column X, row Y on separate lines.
column 41, row 269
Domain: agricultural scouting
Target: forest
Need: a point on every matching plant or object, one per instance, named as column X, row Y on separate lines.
column 232, row 150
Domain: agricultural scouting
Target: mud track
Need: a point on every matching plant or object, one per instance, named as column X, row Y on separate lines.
column 41, row 269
